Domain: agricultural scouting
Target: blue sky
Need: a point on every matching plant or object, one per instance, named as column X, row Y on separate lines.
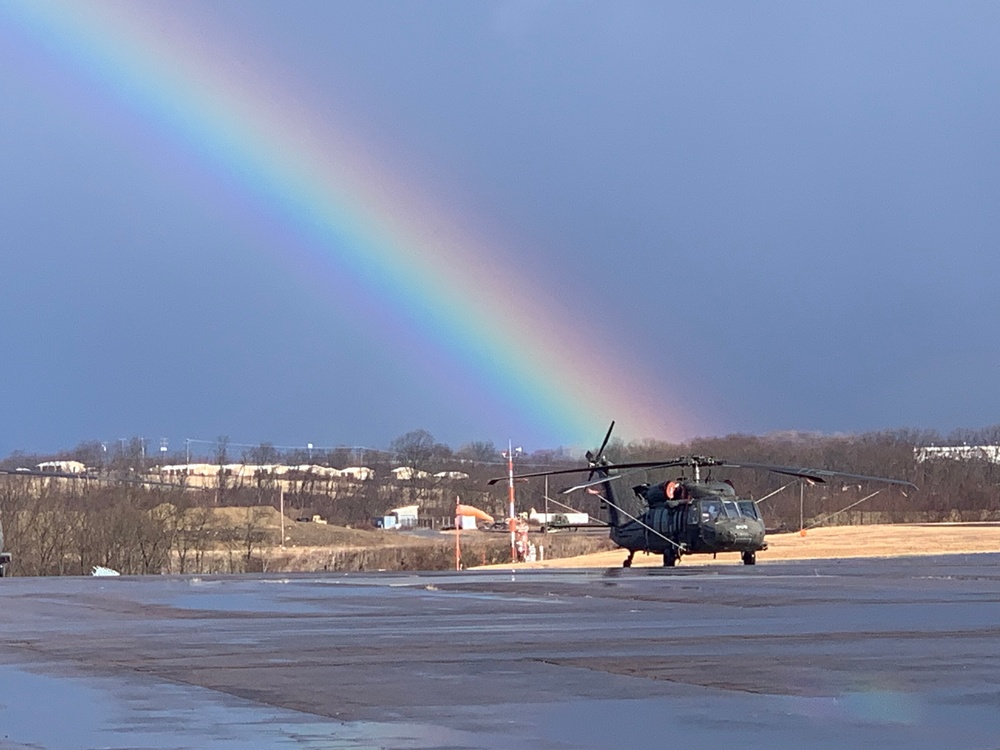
column 786, row 211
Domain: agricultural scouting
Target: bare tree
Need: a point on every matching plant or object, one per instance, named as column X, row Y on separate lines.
column 194, row 536
column 221, row 459
column 481, row 451
column 341, row 458
column 262, row 454
column 253, row 531
column 91, row 453
column 414, row 449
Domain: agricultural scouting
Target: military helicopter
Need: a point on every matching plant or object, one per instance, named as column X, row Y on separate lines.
column 685, row 515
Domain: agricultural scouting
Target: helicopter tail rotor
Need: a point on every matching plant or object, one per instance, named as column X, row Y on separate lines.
column 595, row 459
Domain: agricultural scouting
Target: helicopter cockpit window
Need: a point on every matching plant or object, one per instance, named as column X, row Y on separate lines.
column 710, row 510
column 748, row 508
column 729, row 509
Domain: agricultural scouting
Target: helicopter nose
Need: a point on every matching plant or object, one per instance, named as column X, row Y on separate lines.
column 730, row 533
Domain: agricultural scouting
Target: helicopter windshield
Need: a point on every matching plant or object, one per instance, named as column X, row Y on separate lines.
column 710, row 510
column 748, row 508
column 729, row 509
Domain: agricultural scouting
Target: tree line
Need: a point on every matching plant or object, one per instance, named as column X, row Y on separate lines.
column 66, row 528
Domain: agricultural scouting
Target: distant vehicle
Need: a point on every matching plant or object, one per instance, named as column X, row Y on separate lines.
column 684, row 515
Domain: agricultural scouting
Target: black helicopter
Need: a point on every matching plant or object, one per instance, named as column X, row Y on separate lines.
column 685, row 515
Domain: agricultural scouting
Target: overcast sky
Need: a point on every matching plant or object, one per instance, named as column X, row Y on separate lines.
column 777, row 216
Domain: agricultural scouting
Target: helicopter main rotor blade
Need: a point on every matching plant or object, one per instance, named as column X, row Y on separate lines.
column 813, row 475
column 585, row 485
column 628, row 465
column 862, row 477
column 595, row 482
column 819, row 476
column 809, row 474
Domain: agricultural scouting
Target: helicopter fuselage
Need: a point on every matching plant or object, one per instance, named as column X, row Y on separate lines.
column 691, row 517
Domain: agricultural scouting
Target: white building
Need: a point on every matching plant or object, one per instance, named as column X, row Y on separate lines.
column 360, row 473
column 404, row 473
column 62, row 467
column 451, row 475
column 990, row 453
column 404, row 517
column 208, row 474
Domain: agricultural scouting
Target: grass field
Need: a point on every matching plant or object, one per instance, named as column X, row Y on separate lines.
column 832, row 542
column 311, row 546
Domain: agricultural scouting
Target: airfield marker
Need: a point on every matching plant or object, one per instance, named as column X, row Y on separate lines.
column 458, row 533
column 510, row 493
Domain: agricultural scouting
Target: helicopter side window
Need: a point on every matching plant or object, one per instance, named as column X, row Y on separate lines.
column 748, row 508
column 710, row 510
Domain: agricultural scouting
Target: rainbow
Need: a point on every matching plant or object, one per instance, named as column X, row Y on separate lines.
column 354, row 218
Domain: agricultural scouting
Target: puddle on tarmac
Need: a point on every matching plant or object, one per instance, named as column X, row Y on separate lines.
column 70, row 713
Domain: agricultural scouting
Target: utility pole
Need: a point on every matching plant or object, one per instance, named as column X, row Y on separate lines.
column 545, row 526
column 458, row 534
column 281, row 510
column 510, row 493
column 802, row 523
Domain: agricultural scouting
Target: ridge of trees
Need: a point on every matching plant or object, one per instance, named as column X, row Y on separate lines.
column 61, row 528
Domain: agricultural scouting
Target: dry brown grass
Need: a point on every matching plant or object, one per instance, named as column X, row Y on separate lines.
column 833, row 542
column 307, row 533
column 313, row 547
column 358, row 549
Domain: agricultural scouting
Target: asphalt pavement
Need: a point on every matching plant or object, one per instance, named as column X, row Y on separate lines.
column 891, row 653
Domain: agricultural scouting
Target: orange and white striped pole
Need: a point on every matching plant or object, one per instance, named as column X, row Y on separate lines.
column 510, row 492
column 458, row 532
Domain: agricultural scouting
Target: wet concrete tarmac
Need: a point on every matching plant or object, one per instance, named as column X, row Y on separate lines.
column 828, row 654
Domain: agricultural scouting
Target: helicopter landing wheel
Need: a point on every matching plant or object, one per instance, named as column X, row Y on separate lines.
column 669, row 559
column 750, row 558
column 628, row 560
